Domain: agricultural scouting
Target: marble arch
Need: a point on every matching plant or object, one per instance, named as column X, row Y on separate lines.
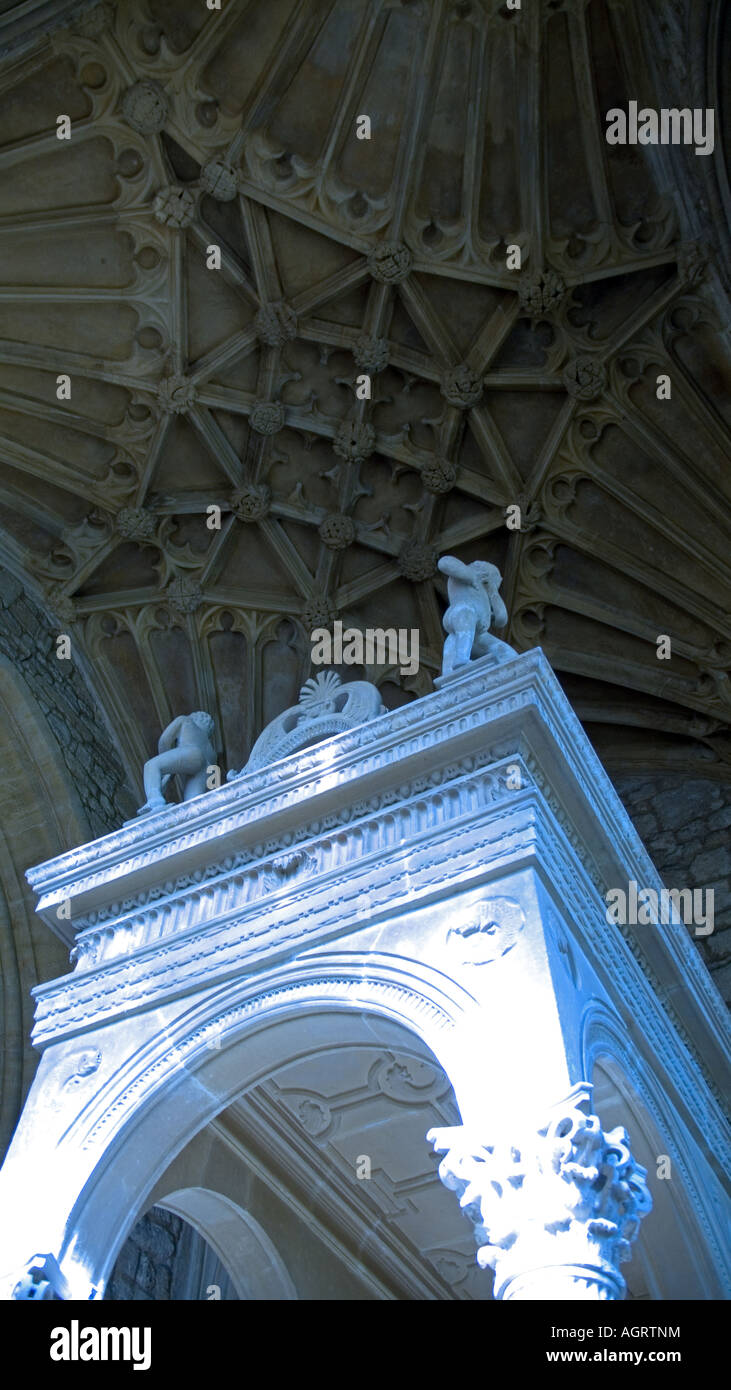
column 230, row 390
column 114, row 1152
column 397, row 872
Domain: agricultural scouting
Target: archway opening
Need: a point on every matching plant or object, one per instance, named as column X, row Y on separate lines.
column 316, row 1180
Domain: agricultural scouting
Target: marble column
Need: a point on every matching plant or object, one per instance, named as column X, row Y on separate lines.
column 555, row 1210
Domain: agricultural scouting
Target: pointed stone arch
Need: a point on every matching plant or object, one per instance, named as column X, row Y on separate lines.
column 40, row 813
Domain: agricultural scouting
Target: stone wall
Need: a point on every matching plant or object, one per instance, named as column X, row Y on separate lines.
column 29, row 643
column 144, row 1268
column 685, row 826
column 165, row 1259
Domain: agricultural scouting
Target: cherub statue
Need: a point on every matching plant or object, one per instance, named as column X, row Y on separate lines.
column 473, row 603
column 185, row 748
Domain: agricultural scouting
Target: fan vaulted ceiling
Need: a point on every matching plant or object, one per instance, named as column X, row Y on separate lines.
column 194, row 388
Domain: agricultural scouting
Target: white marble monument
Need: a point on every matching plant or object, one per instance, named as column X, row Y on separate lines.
column 443, row 866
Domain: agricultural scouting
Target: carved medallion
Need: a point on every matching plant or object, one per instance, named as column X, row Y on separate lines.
column 83, row 1064
column 490, row 931
column 337, row 531
column 267, row 417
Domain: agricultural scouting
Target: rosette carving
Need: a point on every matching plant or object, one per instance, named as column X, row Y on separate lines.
column 540, row 294
column 354, row 441
column 267, row 417
column 145, row 107
column 417, row 562
column 184, row 595
column 252, row 502
column 337, row 531
column 584, row 378
column 319, row 611
column 219, row 180
column 439, row 476
column 136, row 524
column 462, row 386
column 371, row 353
column 174, row 206
column 275, row 323
column 390, row 262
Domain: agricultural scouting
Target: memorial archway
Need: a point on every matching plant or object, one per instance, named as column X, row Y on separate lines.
column 431, row 880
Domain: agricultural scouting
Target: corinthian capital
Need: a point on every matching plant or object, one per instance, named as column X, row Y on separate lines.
column 555, row 1210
